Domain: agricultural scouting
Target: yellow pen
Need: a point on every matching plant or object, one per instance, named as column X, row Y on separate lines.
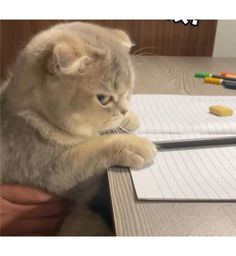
column 226, row 83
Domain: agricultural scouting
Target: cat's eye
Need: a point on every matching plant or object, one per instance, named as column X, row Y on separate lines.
column 104, row 99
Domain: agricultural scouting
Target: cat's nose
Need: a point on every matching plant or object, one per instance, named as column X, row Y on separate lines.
column 123, row 111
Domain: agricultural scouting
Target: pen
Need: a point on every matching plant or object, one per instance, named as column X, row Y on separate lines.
column 230, row 85
column 192, row 143
column 204, row 75
column 228, row 75
column 225, row 82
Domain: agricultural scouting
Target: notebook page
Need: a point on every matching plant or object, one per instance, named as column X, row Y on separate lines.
column 183, row 114
column 189, row 174
column 193, row 174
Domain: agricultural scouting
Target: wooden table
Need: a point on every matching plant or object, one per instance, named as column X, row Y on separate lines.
column 132, row 217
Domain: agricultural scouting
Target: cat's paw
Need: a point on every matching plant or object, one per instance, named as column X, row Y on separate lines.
column 134, row 151
column 130, row 122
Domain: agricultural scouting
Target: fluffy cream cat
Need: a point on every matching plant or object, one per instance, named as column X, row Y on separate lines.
column 69, row 85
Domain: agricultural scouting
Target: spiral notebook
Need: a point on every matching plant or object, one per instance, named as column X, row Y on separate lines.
column 189, row 174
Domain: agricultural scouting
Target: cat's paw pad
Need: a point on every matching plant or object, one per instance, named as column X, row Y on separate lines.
column 146, row 151
column 137, row 153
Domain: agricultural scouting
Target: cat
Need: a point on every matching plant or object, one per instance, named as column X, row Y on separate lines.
column 70, row 85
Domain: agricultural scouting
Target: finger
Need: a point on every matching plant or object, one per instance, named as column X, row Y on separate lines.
column 32, row 211
column 33, row 226
column 26, row 195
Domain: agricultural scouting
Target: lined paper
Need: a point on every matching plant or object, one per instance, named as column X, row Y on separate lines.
column 183, row 114
column 189, row 174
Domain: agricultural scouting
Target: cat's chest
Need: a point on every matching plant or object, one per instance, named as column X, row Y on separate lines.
column 25, row 154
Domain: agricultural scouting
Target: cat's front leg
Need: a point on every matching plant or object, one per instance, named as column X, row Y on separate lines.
column 94, row 156
column 84, row 222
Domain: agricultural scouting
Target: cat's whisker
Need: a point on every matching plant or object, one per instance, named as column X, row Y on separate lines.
column 138, row 63
column 143, row 48
column 124, row 129
column 117, row 132
column 144, row 53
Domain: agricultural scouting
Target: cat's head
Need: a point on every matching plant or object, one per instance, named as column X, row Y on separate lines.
column 79, row 76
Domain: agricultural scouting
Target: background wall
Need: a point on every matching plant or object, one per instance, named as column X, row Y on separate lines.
column 162, row 37
column 225, row 41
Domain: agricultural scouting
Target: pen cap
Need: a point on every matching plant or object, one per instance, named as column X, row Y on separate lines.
column 202, row 75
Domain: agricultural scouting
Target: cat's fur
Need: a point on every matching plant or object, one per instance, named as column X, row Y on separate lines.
column 52, row 121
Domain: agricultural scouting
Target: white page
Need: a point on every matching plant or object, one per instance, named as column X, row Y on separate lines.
column 193, row 174
column 183, row 114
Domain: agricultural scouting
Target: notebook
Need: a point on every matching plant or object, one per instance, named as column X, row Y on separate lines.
column 186, row 174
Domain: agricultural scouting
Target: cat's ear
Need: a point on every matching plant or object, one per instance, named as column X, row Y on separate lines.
column 65, row 60
column 123, row 38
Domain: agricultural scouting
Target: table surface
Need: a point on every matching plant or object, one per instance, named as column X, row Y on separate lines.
column 132, row 217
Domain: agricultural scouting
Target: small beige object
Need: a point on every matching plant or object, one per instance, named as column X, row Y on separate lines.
column 220, row 110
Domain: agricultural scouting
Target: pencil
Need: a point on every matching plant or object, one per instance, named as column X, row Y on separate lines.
column 193, row 143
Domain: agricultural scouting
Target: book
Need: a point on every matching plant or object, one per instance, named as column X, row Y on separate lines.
column 186, row 174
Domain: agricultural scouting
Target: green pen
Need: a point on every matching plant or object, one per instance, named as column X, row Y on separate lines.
column 205, row 74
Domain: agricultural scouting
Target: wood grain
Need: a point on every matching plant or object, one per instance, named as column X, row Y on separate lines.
column 160, row 37
column 132, row 217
